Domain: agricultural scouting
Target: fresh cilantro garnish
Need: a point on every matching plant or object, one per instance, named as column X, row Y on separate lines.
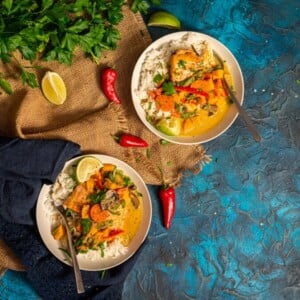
column 86, row 225
column 148, row 153
column 168, row 88
column 5, row 85
column 142, row 5
column 52, row 30
column 184, row 114
column 102, row 247
column 164, row 142
column 158, row 78
column 97, row 197
column 182, row 64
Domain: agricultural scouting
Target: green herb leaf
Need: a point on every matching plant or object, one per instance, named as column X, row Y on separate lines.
column 168, row 88
column 28, row 78
column 46, row 4
column 7, row 4
column 98, row 197
column 164, row 142
column 158, row 78
column 155, row 2
column 5, row 85
column 148, row 153
column 140, row 5
column 53, row 29
column 86, row 225
column 102, row 274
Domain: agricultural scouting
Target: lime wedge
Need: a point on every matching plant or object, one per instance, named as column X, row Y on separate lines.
column 164, row 19
column 86, row 167
column 170, row 126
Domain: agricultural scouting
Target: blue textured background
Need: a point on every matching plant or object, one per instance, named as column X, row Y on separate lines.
column 236, row 231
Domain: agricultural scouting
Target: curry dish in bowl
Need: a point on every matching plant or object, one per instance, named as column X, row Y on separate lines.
column 178, row 88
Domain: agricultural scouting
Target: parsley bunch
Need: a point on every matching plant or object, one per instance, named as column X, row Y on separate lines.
column 53, row 29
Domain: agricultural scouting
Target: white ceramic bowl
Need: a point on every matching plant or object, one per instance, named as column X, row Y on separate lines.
column 45, row 213
column 236, row 73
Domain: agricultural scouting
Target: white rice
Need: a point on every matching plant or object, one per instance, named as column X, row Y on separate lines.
column 58, row 192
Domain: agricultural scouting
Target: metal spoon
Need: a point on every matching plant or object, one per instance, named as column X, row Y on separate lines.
column 242, row 112
column 77, row 273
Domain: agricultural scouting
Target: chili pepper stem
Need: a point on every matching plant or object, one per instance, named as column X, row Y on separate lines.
column 116, row 138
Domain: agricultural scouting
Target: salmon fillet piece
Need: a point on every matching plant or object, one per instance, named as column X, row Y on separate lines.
column 185, row 62
column 77, row 199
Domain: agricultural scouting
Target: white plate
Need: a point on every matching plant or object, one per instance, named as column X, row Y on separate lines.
column 234, row 68
column 44, row 221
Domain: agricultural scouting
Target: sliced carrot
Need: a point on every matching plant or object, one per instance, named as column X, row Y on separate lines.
column 97, row 214
column 152, row 94
column 165, row 103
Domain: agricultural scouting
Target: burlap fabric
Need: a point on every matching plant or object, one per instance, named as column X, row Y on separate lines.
column 88, row 119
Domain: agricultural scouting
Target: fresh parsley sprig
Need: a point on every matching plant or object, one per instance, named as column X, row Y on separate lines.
column 52, row 29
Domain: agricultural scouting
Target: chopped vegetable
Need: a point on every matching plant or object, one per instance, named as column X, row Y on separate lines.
column 105, row 206
column 58, row 232
column 97, row 214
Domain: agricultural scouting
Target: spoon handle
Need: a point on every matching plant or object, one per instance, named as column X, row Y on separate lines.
column 243, row 114
column 77, row 273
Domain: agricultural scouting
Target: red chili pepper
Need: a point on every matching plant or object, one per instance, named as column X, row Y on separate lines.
column 115, row 232
column 167, row 197
column 108, row 79
column 191, row 90
column 129, row 140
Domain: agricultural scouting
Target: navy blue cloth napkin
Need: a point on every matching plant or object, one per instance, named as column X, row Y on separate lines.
column 25, row 165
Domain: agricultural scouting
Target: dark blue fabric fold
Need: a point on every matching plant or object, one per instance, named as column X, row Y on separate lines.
column 24, row 166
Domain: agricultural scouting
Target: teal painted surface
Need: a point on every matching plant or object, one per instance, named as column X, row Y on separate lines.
column 237, row 224
column 236, row 231
column 13, row 286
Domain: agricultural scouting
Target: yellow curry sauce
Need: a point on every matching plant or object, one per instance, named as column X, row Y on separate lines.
column 105, row 207
column 129, row 219
column 191, row 99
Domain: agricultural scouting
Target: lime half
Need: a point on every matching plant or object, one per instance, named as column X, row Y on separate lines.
column 164, row 19
column 86, row 167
